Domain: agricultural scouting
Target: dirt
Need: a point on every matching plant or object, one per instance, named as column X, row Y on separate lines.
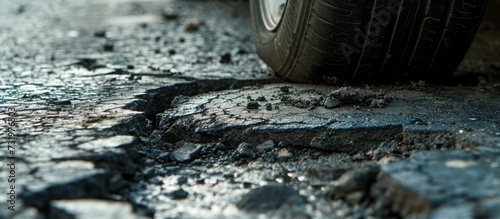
column 344, row 96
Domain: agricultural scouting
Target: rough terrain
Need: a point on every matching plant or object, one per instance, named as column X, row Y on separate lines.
column 162, row 109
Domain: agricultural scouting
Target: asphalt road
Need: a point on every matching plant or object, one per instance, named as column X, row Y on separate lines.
column 162, row 109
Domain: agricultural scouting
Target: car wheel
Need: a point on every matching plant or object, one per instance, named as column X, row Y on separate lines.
column 324, row 41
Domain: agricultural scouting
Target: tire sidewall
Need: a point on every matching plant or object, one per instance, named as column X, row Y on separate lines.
column 278, row 46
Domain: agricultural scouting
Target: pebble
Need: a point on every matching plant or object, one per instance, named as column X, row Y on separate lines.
column 270, row 197
column 187, row 152
column 284, row 89
column 352, row 186
column 108, row 47
column 182, row 180
column 60, row 102
column 100, row 33
column 244, row 150
column 225, row 59
column 253, row 105
column 284, row 154
column 178, row 194
column 241, row 51
column 220, row 146
column 266, row 146
column 193, row 26
column 269, row 106
column 331, row 102
column 168, row 14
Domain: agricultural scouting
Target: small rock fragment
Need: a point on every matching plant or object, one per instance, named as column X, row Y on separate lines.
column 108, row 47
column 182, row 180
column 330, row 103
column 270, row 197
column 21, row 9
column 241, row 51
column 266, row 146
column 284, row 154
column 378, row 103
column 100, row 33
column 169, row 14
column 269, row 106
column 193, row 26
column 261, row 98
column 220, row 146
column 89, row 64
column 354, row 185
column 187, row 152
column 247, row 185
column 284, row 89
column 60, row 102
column 225, row 59
column 178, row 194
column 253, row 105
column 244, row 150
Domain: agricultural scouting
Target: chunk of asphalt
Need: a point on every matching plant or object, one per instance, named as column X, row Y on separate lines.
column 284, row 154
column 353, row 185
column 225, row 59
column 269, row 106
column 431, row 183
column 266, row 146
column 186, row 152
column 270, row 197
column 331, row 102
column 253, row 105
column 244, row 150
column 67, row 179
column 119, row 141
column 92, row 208
column 178, row 194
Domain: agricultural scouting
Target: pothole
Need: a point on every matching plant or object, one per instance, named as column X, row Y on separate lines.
column 208, row 150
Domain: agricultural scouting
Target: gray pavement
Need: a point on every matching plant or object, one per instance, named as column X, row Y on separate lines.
column 162, row 109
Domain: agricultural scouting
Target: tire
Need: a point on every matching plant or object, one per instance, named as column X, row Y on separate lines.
column 327, row 41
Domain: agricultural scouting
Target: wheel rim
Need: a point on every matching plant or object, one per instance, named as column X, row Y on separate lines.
column 272, row 12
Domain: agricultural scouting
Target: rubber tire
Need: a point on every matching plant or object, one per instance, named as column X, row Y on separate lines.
column 327, row 41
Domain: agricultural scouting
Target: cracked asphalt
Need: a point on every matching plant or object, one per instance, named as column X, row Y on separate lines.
column 162, row 109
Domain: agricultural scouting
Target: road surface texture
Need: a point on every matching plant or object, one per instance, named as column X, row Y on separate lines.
column 162, row 109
